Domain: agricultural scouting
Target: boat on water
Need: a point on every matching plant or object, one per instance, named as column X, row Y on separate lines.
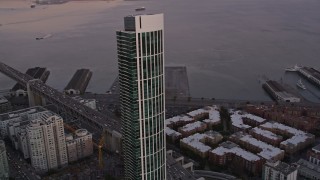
column 44, row 37
column 141, row 9
column 301, row 85
column 293, row 69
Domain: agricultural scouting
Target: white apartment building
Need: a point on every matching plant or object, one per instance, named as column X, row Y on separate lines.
column 84, row 143
column 71, row 148
column 19, row 116
column 279, row 171
column 80, row 145
column 46, row 139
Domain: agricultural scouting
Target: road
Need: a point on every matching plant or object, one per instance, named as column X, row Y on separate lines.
column 19, row 168
column 210, row 175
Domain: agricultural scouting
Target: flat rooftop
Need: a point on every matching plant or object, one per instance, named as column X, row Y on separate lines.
column 267, row 151
column 191, row 126
column 230, row 147
column 171, row 132
column 266, row 133
column 21, row 112
column 176, row 119
column 237, row 119
column 309, row 168
column 298, row 136
column 194, row 141
column 281, row 167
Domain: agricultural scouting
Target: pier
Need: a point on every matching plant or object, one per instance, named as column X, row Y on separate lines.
column 177, row 84
column 98, row 123
column 79, row 82
column 278, row 92
column 310, row 74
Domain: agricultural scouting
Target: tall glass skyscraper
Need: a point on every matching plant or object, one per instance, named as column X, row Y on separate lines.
column 142, row 96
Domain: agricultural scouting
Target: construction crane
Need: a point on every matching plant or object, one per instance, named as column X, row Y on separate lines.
column 100, row 146
column 68, row 127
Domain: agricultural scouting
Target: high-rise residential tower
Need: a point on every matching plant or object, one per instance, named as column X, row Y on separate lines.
column 142, row 96
column 47, row 146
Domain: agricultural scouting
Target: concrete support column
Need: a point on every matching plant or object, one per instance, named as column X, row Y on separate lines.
column 34, row 99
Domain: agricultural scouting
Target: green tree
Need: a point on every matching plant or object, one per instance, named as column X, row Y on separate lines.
column 225, row 119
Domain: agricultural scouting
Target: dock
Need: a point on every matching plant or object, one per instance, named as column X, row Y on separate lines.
column 37, row 73
column 311, row 74
column 278, row 92
column 79, row 82
column 114, row 89
column 177, row 83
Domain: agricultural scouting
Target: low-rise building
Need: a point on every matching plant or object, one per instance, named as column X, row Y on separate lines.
column 237, row 122
column 192, row 128
column 308, row 170
column 297, row 141
column 231, row 153
column 199, row 114
column 300, row 117
column 266, row 136
column 173, row 135
column 214, row 117
column 277, row 170
column 4, row 166
column 213, row 137
column 197, row 143
column 314, row 155
column 209, row 115
column 178, row 121
column 264, row 150
column 242, row 121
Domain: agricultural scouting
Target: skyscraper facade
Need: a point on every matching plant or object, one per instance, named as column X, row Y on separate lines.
column 142, row 96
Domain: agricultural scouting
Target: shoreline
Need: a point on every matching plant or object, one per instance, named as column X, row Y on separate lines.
column 17, row 15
